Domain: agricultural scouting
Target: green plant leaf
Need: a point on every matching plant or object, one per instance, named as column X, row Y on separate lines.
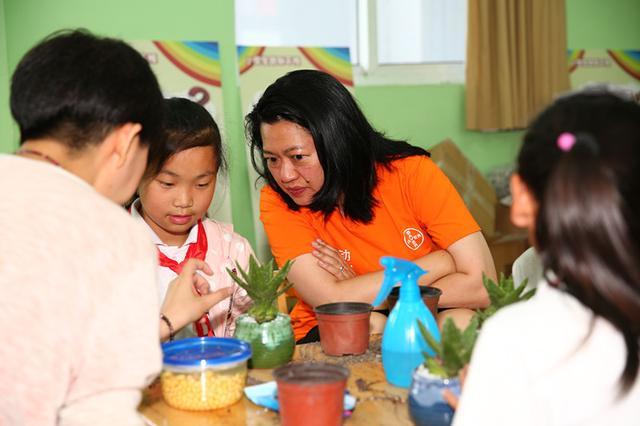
column 451, row 341
column 453, row 351
column 435, row 368
column 528, row 294
column 520, row 288
column 451, row 360
column 468, row 341
column 431, row 341
column 502, row 294
column 262, row 285
column 495, row 293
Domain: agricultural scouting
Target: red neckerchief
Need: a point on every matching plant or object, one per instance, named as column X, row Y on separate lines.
column 196, row 250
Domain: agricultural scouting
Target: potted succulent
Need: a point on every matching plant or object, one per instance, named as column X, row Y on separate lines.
column 452, row 353
column 439, row 372
column 268, row 331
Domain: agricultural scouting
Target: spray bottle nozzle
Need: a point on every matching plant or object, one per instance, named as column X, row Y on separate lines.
column 396, row 270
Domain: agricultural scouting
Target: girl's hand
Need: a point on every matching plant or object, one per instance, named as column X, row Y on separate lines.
column 201, row 285
column 188, row 295
column 330, row 260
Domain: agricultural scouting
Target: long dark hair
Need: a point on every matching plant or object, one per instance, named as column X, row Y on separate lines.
column 349, row 148
column 587, row 224
column 186, row 125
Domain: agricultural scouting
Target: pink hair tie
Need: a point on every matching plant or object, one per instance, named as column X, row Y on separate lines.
column 566, row 141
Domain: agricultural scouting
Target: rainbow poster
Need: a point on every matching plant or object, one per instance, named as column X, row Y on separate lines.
column 192, row 69
column 605, row 66
column 260, row 66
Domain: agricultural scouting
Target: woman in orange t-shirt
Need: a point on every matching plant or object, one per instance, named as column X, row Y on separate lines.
column 340, row 195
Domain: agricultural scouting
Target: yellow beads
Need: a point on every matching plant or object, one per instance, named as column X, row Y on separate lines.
column 206, row 390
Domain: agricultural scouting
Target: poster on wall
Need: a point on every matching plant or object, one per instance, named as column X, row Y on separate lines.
column 619, row 68
column 260, row 66
column 192, row 69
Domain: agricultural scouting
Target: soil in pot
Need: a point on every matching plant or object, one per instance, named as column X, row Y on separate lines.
column 344, row 327
column 311, row 394
column 430, row 297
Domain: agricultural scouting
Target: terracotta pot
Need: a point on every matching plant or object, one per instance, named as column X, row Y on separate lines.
column 430, row 297
column 344, row 327
column 311, row 394
column 272, row 343
column 427, row 407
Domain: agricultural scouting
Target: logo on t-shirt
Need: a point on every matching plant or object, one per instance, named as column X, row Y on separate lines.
column 413, row 238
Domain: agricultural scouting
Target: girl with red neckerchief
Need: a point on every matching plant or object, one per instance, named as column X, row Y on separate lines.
column 174, row 195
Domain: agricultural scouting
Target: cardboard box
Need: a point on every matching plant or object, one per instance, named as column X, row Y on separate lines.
column 475, row 190
column 506, row 242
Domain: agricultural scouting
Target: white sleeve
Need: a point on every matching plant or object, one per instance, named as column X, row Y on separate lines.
column 497, row 389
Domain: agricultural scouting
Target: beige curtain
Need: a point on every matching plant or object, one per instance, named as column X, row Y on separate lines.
column 516, row 61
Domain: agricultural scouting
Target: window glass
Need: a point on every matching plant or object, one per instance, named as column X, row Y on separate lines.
column 421, row 31
column 325, row 23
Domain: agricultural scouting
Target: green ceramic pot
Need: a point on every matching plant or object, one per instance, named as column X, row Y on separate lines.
column 272, row 343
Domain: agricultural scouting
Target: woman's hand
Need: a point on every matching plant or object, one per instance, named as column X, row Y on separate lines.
column 188, row 296
column 331, row 260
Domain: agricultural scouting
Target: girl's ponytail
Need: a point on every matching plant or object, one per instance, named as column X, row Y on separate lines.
column 583, row 234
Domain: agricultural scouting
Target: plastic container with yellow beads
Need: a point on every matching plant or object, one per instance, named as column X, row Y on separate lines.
column 204, row 373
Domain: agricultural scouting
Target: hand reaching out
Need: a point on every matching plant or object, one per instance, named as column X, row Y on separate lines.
column 188, row 295
column 331, row 260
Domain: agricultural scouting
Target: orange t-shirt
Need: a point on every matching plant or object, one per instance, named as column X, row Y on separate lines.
column 418, row 211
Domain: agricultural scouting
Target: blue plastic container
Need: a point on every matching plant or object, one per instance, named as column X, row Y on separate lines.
column 204, row 373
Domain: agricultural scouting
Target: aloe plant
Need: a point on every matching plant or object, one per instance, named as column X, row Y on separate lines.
column 502, row 294
column 263, row 286
column 454, row 349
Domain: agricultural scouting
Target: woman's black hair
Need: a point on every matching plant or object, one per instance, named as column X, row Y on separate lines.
column 186, row 125
column 348, row 147
column 587, row 223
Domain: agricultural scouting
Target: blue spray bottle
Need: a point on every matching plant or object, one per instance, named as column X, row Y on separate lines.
column 402, row 344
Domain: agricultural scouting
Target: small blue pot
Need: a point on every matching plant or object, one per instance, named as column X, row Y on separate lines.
column 426, row 405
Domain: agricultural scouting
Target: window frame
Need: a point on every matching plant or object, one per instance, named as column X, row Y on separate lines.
column 369, row 72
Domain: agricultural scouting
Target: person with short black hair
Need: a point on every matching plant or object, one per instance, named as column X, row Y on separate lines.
column 340, row 195
column 79, row 307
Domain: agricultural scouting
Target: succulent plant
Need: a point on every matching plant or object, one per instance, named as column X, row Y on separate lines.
column 262, row 286
column 454, row 349
column 502, row 294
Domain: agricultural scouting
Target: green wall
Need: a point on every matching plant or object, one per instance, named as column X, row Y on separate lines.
column 6, row 123
column 422, row 114
column 425, row 115
column 598, row 24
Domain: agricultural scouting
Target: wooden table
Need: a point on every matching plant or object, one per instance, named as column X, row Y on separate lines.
column 379, row 403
